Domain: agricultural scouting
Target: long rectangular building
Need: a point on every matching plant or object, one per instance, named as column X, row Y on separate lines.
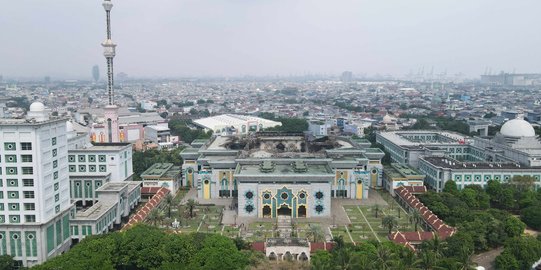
column 443, row 156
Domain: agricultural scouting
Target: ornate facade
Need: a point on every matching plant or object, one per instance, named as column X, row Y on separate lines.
column 273, row 174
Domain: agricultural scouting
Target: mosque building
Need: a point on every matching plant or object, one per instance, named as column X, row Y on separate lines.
column 443, row 156
column 272, row 174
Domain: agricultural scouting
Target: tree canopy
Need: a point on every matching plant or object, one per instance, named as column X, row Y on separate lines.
column 180, row 127
column 143, row 160
column 145, row 247
column 288, row 124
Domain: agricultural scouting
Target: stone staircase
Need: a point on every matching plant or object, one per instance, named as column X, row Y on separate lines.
column 284, row 226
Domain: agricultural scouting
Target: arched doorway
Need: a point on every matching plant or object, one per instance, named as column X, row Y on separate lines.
column 280, row 146
column 301, row 211
column 272, row 256
column 267, row 211
column 288, row 256
column 284, row 210
column 303, row 257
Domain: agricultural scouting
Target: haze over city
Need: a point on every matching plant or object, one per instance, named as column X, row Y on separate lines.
column 266, row 38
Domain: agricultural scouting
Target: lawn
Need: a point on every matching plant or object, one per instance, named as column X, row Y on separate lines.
column 341, row 231
column 366, row 226
column 230, row 231
column 205, row 218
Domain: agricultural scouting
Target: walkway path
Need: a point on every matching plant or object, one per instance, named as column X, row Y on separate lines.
column 347, row 230
column 201, row 223
column 369, row 226
column 486, row 259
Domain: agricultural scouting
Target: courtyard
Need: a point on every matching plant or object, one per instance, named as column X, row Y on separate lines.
column 354, row 220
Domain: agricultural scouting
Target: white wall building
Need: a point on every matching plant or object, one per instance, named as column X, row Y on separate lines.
column 148, row 105
column 241, row 124
column 158, row 133
column 34, row 188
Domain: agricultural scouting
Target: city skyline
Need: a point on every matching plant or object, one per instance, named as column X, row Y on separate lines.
column 236, row 38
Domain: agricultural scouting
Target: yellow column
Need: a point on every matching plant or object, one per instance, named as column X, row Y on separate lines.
column 206, row 190
column 359, row 191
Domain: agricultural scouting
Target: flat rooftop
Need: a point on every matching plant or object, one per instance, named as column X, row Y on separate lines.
column 450, row 163
column 25, row 122
column 158, row 128
column 273, row 242
column 279, row 167
column 103, row 147
column 190, row 150
column 400, row 137
column 161, row 170
column 118, row 186
column 95, row 211
column 402, row 170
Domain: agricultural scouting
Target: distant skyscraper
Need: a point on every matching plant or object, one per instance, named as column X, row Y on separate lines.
column 111, row 110
column 347, row 76
column 96, row 73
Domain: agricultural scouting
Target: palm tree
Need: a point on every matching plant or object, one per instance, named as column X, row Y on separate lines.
column 339, row 240
column 390, row 222
column 416, row 217
column 408, row 260
column 152, row 216
column 191, row 203
column 346, row 259
column 385, row 257
column 428, row 259
column 168, row 200
column 435, row 245
column 464, row 260
column 315, row 232
column 155, row 216
column 376, row 210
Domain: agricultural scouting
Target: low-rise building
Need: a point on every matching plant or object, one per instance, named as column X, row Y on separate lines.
column 396, row 175
column 115, row 201
column 164, row 175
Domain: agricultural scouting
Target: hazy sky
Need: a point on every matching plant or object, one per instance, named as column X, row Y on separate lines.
column 268, row 37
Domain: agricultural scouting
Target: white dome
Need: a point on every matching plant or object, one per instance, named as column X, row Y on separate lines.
column 517, row 128
column 37, row 107
column 387, row 119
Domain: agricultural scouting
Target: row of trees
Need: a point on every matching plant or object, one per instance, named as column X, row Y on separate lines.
column 445, row 123
column 517, row 197
column 146, row 247
column 519, row 253
column 143, row 160
column 485, row 218
column 470, row 211
column 288, row 124
column 433, row 254
column 181, row 127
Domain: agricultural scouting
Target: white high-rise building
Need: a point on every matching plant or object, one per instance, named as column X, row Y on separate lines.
column 35, row 200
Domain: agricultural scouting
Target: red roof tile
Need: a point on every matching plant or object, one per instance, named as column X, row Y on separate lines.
column 142, row 213
column 443, row 230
